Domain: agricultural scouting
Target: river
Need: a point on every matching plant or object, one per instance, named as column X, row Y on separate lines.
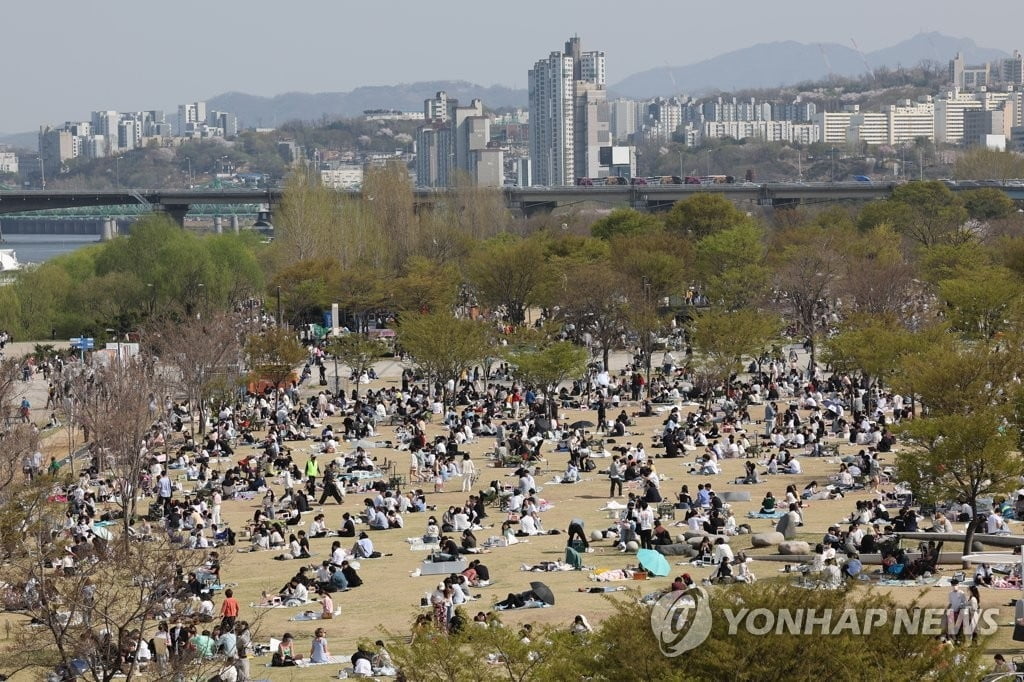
column 37, row 248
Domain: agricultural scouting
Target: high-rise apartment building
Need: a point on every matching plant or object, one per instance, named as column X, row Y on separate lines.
column 622, row 119
column 1013, row 69
column 455, row 138
column 966, row 77
column 189, row 115
column 568, row 114
column 56, row 147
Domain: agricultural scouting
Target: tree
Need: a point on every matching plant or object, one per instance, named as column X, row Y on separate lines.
column 594, row 299
column 306, row 288
column 17, row 439
column 981, row 302
column 509, row 274
column 549, row 366
column 442, row 345
column 925, row 212
column 657, row 262
column 305, row 219
column 724, row 338
column 733, row 651
column 273, row 355
column 807, row 270
column 83, row 619
column 876, row 277
column 952, row 376
column 204, row 354
column 117, row 406
column 355, row 351
column 730, row 264
column 625, row 221
column 703, row 214
column 426, row 286
column 987, row 203
column 960, row 456
column 988, row 164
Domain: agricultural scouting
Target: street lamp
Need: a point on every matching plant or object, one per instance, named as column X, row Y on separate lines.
column 42, row 173
column 832, row 175
column 117, row 172
column 189, row 159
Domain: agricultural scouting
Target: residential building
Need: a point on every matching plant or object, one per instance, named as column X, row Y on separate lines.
column 456, row 139
column 662, row 118
column 343, row 176
column 909, row 121
column 1013, row 69
column 8, row 162
column 769, row 131
column 189, row 116
column 622, row 119
column 980, row 125
column 524, row 172
column 56, row 147
column 569, row 115
column 949, row 115
column 126, row 134
column 591, row 128
column 967, row 77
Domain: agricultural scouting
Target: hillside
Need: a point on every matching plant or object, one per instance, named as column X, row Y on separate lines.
column 770, row 65
column 253, row 110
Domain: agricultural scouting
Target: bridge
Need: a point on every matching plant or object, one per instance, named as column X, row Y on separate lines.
column 527, row 200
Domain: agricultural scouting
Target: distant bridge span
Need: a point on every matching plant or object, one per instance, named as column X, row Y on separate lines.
column 528, row 200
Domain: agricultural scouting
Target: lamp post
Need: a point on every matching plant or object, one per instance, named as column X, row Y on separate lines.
column 42, row 173
column 117, row 172
column 648, row 346
column 832, row 174
column 337, row 379
column 278, row 306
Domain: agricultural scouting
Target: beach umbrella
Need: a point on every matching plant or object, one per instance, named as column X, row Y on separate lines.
column 582, row 424
column 543, row 592
column 653, row 561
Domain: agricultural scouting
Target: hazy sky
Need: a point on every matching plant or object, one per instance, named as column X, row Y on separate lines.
column 61, row 61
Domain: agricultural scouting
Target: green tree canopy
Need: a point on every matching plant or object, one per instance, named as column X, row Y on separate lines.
column 625, row 221
column 704, row 214
column 510, row 274
column 442, row 345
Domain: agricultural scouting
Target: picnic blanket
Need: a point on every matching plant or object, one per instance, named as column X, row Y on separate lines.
column 253, row 605
column 313, row 615
column 760, row 515
column 532, row 604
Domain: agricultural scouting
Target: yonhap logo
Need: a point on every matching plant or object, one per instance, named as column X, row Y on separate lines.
column 681, row 620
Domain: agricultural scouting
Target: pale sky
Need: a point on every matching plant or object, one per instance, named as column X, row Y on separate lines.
column 62, row 60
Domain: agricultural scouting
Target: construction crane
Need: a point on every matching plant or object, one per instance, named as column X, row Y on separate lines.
column 864, row 59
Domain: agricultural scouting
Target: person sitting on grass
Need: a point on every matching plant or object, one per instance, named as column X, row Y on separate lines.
column 767, row 504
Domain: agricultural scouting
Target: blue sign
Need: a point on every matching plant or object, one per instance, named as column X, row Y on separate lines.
column 83, row 343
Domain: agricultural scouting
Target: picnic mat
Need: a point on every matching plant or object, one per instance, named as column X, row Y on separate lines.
column 759, row 515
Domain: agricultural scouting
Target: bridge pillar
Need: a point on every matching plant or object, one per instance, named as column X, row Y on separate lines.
column 177, row 212
column 218, row 225
column 234, row 224
column 108, row 230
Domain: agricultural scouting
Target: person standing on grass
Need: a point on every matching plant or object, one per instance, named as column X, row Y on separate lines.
column 228, row 611
column 645, row 525
column 312, row 473
column 615, row 478
column 468, row 473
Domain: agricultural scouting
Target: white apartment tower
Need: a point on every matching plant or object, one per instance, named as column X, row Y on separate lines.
column 568, row 114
